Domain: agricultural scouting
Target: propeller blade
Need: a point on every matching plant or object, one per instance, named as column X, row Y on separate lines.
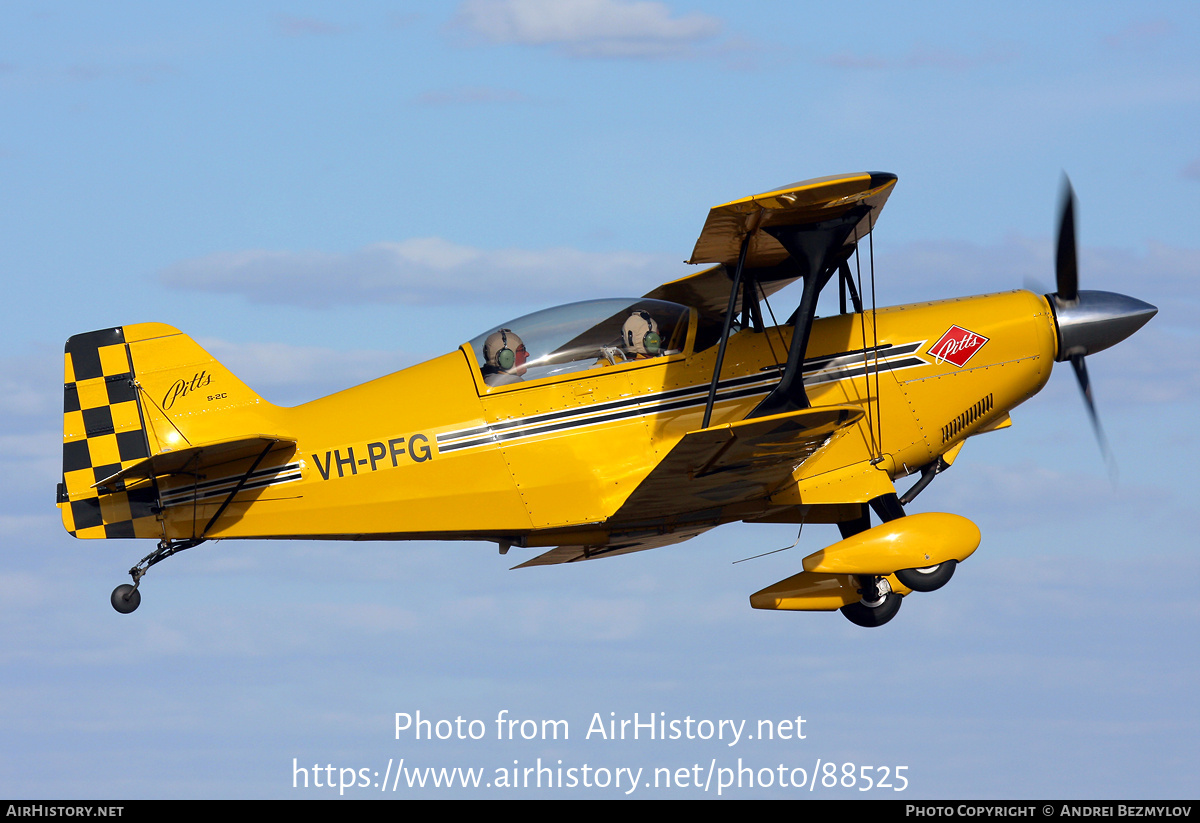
column 1085, row 386
column 1066, row 269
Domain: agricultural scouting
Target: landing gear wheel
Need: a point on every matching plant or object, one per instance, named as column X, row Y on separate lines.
column 870, row 614
column 928, row 579
column 126, row 598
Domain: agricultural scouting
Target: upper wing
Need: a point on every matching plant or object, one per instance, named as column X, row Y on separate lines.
column 807, row 203
column 707, row 470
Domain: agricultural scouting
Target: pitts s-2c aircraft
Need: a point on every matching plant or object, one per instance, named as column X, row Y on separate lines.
column 608, row 426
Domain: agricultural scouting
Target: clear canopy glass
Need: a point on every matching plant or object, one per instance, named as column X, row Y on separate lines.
column 581, row 336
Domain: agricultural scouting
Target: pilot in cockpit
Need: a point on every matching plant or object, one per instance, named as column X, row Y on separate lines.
column 504, row 356
column 640, row 340
column 640, row 337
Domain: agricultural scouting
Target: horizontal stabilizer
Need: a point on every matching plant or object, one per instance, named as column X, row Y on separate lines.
column 203, row 456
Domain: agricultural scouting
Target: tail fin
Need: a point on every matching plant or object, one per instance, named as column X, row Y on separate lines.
column 131, row 393
column 103, row 431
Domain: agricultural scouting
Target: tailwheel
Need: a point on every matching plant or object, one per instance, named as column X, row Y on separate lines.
column 878, row 605
column 126, row 598
column 928, row 579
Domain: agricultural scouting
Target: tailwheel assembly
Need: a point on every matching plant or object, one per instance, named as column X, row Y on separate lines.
column 126, row 598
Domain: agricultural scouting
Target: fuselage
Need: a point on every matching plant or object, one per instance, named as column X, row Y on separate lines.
column 434, row 452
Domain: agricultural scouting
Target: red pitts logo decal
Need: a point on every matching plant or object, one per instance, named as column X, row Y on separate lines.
column 957, row 346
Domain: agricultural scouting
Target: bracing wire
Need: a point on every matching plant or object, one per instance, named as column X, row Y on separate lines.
column 774, row 322
column 875, row 330
column 862, row 326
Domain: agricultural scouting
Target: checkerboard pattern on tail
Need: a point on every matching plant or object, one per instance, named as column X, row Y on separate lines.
column 103, row 433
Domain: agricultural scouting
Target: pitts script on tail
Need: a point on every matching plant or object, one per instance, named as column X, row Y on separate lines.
column 608, row 426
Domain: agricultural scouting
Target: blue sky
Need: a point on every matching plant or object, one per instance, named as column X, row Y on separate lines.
column 322, row 195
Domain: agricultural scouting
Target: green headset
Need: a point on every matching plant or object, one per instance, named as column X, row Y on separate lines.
column 506, row 358
column 651, row 340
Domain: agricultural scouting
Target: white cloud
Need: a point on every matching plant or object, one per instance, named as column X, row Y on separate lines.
column 427, row 270
column 287, row 374
column 278, row 364
column 588, row 28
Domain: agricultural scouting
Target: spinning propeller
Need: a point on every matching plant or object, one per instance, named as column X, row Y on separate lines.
column 1088, row 321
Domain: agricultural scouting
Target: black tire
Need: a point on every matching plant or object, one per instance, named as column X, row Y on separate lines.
column 929, row 579
column 860, row 614
column 125, row 598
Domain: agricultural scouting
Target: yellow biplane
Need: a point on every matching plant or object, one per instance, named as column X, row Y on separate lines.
column 608, row 426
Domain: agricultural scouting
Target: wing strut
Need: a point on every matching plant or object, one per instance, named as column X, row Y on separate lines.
column 237, row 488
column 729, row 313
column 811, row 247
column 847, row 282
column 751, row 311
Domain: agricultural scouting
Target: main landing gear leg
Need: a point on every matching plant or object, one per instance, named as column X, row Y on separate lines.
column 126, row 598
column 879, row 603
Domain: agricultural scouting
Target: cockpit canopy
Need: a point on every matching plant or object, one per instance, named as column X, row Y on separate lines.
column 583, row 335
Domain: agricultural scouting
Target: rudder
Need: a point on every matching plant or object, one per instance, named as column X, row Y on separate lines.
column 103, row 432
